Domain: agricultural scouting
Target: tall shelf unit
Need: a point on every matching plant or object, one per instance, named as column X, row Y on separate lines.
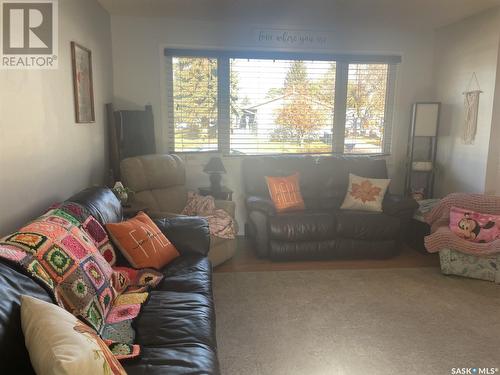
column 422, row 149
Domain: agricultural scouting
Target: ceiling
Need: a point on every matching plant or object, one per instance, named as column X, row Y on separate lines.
column 422, row 13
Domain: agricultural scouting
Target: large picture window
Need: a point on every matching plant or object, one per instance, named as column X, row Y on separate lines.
column 264, row 103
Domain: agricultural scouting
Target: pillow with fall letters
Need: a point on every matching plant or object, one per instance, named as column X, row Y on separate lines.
column 365, row 194
column 285, row 193
column 142, row 242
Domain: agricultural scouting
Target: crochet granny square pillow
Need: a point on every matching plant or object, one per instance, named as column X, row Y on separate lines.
column 60, row 253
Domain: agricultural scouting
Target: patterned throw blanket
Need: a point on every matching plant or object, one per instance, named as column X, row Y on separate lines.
column 64, row 250
column 442, row 237
column 221, row 224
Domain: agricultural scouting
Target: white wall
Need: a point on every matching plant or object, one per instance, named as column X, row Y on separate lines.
column 492, row 185
column 139, row 74
column 44, row 155
column 468, row 46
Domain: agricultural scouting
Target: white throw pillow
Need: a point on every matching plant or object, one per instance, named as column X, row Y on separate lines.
column 365, row 194
column 60, row 344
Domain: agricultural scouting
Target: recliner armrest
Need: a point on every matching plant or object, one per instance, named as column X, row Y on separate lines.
column 265, row 205
column 396, row 205
column 230, row 208
column 189, row 234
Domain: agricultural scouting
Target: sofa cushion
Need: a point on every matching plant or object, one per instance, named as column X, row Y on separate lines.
column 158, row 181
column 101, row 203
column 365, row 225
column 302, row 226
column 150, row 172
column 189, row 234
column 176, row 328
column 191, row 273
column 175, row 318
column 173, row 360
column 180, row 309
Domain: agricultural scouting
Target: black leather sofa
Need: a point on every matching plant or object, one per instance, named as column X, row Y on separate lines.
column 176, row 328
column 322, row 231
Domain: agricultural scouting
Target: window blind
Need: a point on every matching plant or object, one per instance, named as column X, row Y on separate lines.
column 281, row 106
column 365, row 108
column 193, row 115
column 248, row 103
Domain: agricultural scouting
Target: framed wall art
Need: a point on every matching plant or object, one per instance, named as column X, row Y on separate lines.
column 83, row 87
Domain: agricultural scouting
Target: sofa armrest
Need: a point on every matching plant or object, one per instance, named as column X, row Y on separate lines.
column 162, row 214
column 265, row 205
column 396, row 205
column 228, row 206
column 189, row 234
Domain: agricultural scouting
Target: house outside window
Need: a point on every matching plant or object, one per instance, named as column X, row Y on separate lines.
column 262, row 103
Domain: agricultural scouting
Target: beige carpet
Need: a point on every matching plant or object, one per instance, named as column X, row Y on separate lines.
column 392, row 321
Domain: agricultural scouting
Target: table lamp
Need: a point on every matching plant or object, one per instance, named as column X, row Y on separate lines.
column 215, row 168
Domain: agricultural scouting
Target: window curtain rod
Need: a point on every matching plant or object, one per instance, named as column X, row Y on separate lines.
column 277, row 55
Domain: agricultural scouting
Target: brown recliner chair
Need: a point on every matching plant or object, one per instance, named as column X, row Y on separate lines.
column 159, row 183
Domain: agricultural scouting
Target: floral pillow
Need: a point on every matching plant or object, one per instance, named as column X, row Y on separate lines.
column 59, row 343
column 365, row 194
column 474, row 226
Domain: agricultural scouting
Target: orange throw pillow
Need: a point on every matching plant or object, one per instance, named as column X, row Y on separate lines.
column 142, row 242
column 285, row 193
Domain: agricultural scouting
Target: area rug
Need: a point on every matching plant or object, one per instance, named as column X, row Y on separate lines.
column 388, row 321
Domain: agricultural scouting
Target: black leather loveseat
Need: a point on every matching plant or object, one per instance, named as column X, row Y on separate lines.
column 176, row 328
column 322, row 231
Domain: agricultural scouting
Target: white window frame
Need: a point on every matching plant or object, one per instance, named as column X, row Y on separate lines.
column 341, row 81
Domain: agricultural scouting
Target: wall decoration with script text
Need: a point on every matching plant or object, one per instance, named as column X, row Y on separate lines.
column 289, row 38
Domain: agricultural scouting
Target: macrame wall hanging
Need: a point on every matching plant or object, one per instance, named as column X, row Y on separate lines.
column 471, row 104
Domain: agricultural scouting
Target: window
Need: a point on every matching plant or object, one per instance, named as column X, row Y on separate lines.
column 365, row 112
column 264, row 103
column 282, row 106
column 195, row 104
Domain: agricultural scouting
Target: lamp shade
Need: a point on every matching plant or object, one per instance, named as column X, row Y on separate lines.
column 214, row 165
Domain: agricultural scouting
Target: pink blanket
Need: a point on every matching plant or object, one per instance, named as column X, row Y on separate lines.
column 442, row 237
column 221, row 224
